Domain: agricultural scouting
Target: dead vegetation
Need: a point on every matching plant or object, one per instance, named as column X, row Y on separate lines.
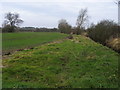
column 114, row 43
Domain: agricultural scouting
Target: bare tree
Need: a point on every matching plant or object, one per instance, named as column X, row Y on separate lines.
column 82, row 18
column 12, row 19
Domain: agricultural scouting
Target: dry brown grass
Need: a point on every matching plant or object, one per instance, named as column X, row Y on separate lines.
column 84, row 34
column 114, row 43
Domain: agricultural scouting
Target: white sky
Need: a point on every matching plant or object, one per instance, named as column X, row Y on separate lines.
column 47, row 13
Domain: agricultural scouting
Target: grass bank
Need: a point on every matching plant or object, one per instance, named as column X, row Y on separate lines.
column 71, row 63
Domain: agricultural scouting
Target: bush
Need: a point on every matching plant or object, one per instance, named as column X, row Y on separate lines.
column 64, row 27
column 78, row 31
column 103, row 31
column 8, row 28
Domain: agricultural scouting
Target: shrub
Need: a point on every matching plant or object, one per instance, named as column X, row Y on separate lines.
column 103, row 31
column 78, row 31
column 64, row 27
column 8, row 28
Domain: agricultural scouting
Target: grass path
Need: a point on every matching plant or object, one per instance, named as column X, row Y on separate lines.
column 76, row 63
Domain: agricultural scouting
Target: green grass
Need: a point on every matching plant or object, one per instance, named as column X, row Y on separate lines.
column 14, row 41
column 71, row 63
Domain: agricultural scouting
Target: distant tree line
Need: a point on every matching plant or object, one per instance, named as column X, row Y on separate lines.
column 28, row 29
column 33, row 29
column 12, row 22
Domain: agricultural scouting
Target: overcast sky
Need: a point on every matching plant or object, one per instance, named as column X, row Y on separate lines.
column 47, row 13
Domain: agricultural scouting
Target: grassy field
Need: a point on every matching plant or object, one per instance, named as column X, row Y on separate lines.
column 14, row 41
column 68, row 63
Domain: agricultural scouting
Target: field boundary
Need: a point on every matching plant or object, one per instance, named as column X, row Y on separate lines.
column 6, row 55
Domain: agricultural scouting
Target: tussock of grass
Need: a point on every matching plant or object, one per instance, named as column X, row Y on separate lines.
column 114, row 43
column 66, row 64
